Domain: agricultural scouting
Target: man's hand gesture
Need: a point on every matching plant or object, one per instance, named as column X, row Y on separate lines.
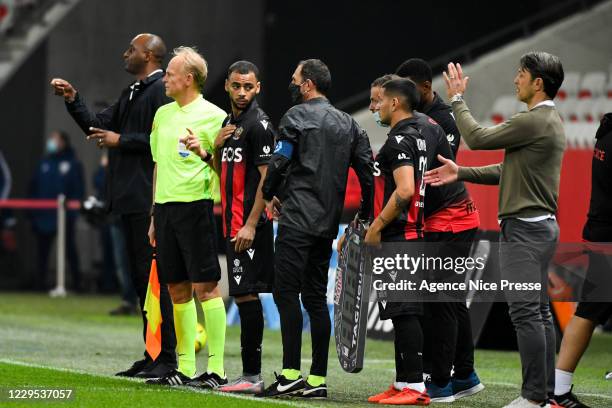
column 104, row 138
column 192, row 143
column 455, row 82
column 223, row 135
column 63, row 88
column 445, row 174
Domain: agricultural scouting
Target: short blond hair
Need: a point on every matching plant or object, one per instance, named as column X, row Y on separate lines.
column 195, row 64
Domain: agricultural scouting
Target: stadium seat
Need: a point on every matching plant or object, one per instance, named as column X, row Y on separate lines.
column 504, row 107
column 7, row 8
column 584, row 110
column 567, row 109
column 570, row 86
column 571, row 132
column 592, row 84
column 601, row 106
column 609, row 87
column 580, row 135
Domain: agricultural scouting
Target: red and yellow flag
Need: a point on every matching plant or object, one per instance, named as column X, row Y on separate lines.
column 153, row 311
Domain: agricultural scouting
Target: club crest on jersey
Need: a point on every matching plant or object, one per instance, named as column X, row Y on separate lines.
column 399, row 138
column 237, row 133
column 266, row 150
column 264, row 123
column 450, row 137
column 251, row 253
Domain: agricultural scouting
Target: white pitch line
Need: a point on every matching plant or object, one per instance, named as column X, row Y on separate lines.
column 511, row 385
column 191, row 389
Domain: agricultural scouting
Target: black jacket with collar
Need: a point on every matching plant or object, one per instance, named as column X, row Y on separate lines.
column 130, row 165
column 326, row 142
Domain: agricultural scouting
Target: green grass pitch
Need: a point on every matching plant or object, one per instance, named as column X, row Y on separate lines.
column 73, row 343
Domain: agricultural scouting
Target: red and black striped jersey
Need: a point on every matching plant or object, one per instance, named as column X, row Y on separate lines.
column 405, row 146
column 448, row 208
column 250, row 146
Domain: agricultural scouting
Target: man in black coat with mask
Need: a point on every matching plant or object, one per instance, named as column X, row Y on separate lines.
column 316, row 145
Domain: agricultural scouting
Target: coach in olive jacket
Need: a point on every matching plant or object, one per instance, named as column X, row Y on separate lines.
column 528, row 178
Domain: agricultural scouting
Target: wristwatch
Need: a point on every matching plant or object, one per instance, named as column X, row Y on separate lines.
column 207, row 158
column 456, row 98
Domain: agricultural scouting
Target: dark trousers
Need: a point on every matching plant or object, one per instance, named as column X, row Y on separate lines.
column 301, row 266
column 139, row 254
column 45, row 242
column 525, row 252
column 120, row 263
column 447, row 325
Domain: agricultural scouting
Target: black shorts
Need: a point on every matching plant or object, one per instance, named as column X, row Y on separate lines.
column 597, row 312
column 252, row 271
column 598, row 281
column 389, row 310
column 186, row 242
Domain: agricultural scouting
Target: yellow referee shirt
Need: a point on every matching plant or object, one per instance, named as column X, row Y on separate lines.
column 181, row 175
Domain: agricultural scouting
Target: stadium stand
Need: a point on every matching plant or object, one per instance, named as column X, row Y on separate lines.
column 24, row 24
column 6, row 16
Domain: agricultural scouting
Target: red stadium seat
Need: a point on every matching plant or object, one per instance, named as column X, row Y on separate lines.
column 592, row 84
column 570, row 86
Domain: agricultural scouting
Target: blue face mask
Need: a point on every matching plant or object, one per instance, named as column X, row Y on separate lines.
column 51, row 146
column 377, row 119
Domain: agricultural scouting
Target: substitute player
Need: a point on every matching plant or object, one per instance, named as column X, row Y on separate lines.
column 317, row 144
column 430, row 103
column 398, row 217
column 243, row 149
column 183, row 223
column 452, row 221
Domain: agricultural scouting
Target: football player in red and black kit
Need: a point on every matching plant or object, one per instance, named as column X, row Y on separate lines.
column 243, row 149
column 450, row 216
column 398, row 217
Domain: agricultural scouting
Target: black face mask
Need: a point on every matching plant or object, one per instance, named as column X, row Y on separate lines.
column 294, row 93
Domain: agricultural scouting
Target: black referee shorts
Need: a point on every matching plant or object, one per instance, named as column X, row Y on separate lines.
column 186, row 242
column 252, row 271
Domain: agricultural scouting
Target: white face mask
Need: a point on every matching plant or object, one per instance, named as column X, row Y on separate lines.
column 377, row 119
